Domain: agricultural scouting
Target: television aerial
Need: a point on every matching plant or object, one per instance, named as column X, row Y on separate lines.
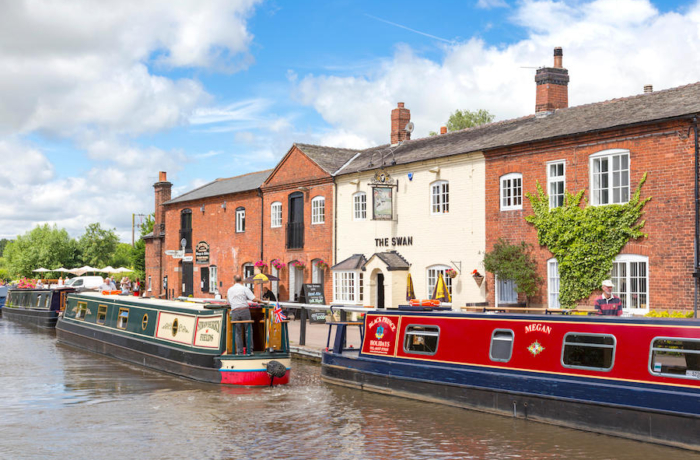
column 409, row 127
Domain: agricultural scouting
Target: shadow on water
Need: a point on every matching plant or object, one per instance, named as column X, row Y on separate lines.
column 62, row 402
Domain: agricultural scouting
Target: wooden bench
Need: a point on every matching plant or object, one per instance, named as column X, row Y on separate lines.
column 568, row 311
column 505, row 309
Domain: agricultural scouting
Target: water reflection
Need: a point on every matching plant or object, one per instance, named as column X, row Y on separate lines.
column 60, row 402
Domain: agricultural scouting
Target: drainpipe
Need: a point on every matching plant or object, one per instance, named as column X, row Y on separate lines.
column 262, row 222
column 696, row 272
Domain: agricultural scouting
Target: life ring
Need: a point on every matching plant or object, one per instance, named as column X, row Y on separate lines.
column 424, row 303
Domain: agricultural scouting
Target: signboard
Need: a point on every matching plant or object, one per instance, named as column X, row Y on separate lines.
column 381, row 335
column 187, row 259
column 170, row 252
column 201, row 252
column 176, row 254
column 381, row 203
column 312, row 293
column 319, row 316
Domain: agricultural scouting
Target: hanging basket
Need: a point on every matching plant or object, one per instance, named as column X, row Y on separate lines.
column 479, row 279
column 452, row 274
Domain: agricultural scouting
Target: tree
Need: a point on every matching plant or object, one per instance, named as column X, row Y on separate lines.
column 462, row 119
column 138, row 253
column 97, row 245
column 122, row 256
column 514, row 262
column 3, row 243
column 44, row 246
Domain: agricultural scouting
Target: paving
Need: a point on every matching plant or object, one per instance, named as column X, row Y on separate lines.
column 316, row 339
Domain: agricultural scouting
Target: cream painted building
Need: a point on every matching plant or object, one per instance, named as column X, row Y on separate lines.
column 419, row 217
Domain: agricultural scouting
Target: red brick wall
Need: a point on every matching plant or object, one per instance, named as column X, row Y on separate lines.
column 550, row 96
column 663, row 151
column 294, row 171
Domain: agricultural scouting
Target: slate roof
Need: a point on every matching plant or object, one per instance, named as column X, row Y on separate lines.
column 393, row 260
column 236, row 184
column 644, row 108
column 330, row 159
column 354, row 262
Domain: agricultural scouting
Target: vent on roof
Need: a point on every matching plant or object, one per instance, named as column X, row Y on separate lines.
column 648, row 88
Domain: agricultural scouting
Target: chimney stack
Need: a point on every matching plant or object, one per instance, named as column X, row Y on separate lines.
column 443, row 130
column 552, row 85
column 163, row 192
column 648, row 89
column 400, row 117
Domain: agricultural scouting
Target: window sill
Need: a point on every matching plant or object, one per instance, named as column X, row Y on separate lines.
column 512, row 209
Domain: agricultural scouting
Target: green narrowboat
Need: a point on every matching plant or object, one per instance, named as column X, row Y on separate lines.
column 36, row 307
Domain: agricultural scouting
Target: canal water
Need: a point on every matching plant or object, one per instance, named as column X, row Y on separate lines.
column 60, row 402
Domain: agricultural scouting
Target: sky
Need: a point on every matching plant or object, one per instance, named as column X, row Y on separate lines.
column 97, row 97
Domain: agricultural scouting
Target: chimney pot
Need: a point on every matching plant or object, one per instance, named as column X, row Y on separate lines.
column 443, row 130
column 558, row 56
column 648, row 88
column 162, row 176
column 400, row 104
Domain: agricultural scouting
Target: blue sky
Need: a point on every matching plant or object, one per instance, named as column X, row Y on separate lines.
column 97, row 97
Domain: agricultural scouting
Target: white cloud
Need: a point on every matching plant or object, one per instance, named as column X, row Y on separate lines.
column 488, row 4
column 612, row 49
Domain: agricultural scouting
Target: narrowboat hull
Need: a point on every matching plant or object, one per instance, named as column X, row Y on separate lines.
column 39, row 318
column 625, row 400
column 159, row 345
column 36, row 307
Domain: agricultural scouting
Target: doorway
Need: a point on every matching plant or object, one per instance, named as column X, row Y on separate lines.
column 295, row 226
column 187, row 279
column 380, row 290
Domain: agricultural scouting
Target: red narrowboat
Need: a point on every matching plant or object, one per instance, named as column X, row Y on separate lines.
column 637, row 378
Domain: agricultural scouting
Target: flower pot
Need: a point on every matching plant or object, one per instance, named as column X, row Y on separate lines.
column 479, row 279
column 452, row 274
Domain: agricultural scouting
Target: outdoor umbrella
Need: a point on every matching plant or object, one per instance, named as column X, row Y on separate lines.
column 82, row 270
column 410, row 293
column 107, row 269
column 41, row 270
column 440, row 292
column 122, row 270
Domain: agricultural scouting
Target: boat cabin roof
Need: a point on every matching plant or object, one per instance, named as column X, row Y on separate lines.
column 147, row 301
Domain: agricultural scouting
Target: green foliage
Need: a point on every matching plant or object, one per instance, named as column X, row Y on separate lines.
column 462, row 119
column 585, row 239
column 674, row 314
column 44, row 246
column 3, row 243
column 514, row 262
column 122, row 256
column 97, row 245
column 138, row 254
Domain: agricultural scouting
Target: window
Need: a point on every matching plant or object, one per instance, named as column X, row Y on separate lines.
column 553, row 283
column 318, row 210
column 433, row 273
column 630, row 275
column 588, row 351
column 213, row 279
column 150, row 285
column 81, row 312
column 556, row 183
column 675, row 357
column 317, row 273
column 186, row 229
column 347, row 286
column 501, row 345
column 507, row 291
column 240, row 220
column 275, row 288
column 123, row 318
column 248, row 271
column 440, row 197
column 276, row 214
column 610, row 177
column 422, row 340
column 101, row 314
column 144, row 322
column 511, row 192
column 360, row 206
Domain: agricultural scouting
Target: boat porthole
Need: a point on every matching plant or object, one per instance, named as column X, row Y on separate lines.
column 144, row 322
column 175, row 327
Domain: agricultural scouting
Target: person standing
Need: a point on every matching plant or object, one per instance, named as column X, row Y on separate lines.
column 238, row 296
column 608, row 304
column 137, row 287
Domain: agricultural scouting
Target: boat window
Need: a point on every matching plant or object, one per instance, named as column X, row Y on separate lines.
column 81, row 311
column 37, row 300
column 47, row 304
column 421, row 339
column 589, row 351
column 501, row 345
column 144, row 322
column 675, row 358
column 123, row 318
column 101, row 314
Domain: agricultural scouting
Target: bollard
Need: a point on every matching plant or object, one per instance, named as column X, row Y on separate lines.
column 302, row 327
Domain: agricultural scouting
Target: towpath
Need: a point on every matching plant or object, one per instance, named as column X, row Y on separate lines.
column 316, row 337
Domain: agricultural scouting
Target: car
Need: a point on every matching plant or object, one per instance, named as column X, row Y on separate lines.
column 85, row 282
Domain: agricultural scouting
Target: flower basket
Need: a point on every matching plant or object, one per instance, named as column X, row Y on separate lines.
column 278, row 264
column 452, row 273
column 478, row 277
column 261, row 265
column 298, row 264
column 322, row 264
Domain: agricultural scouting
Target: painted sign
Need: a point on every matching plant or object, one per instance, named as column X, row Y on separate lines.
column 382, row 203
column 208, row 332
column 187, row 259
column 175, row 327
column 394, row 241
column 381, row 335
column 201, row 252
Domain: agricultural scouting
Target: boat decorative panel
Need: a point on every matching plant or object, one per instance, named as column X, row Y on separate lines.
column 177, row 328
column 208, row 332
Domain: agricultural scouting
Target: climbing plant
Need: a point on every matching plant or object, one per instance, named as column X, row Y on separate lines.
column 514, row 262
column 585, row 239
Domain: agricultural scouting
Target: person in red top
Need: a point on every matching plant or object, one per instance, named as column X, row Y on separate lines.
column 608, row 303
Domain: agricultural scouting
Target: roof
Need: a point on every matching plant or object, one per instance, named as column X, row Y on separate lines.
column 354, row 262
column 392, row 259
column 330, row 159
column 643, row 108
column 242, row 183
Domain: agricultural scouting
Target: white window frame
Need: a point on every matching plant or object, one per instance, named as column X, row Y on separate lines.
column 440, row 197
column 276, row 214
column 359, row 206
column 250, row 269
column 553, row 180
column 150, row 285
column 553, row 283
column 348, row 286
column 597, row 189
column 318, row 210
column 510, row 191
column 213, row 279
column 431, row 277
column 317, row 273
column 500, row 291
column 629, row 280
column 240, row 220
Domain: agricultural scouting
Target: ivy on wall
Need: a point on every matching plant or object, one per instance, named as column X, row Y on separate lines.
column 585, row 239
